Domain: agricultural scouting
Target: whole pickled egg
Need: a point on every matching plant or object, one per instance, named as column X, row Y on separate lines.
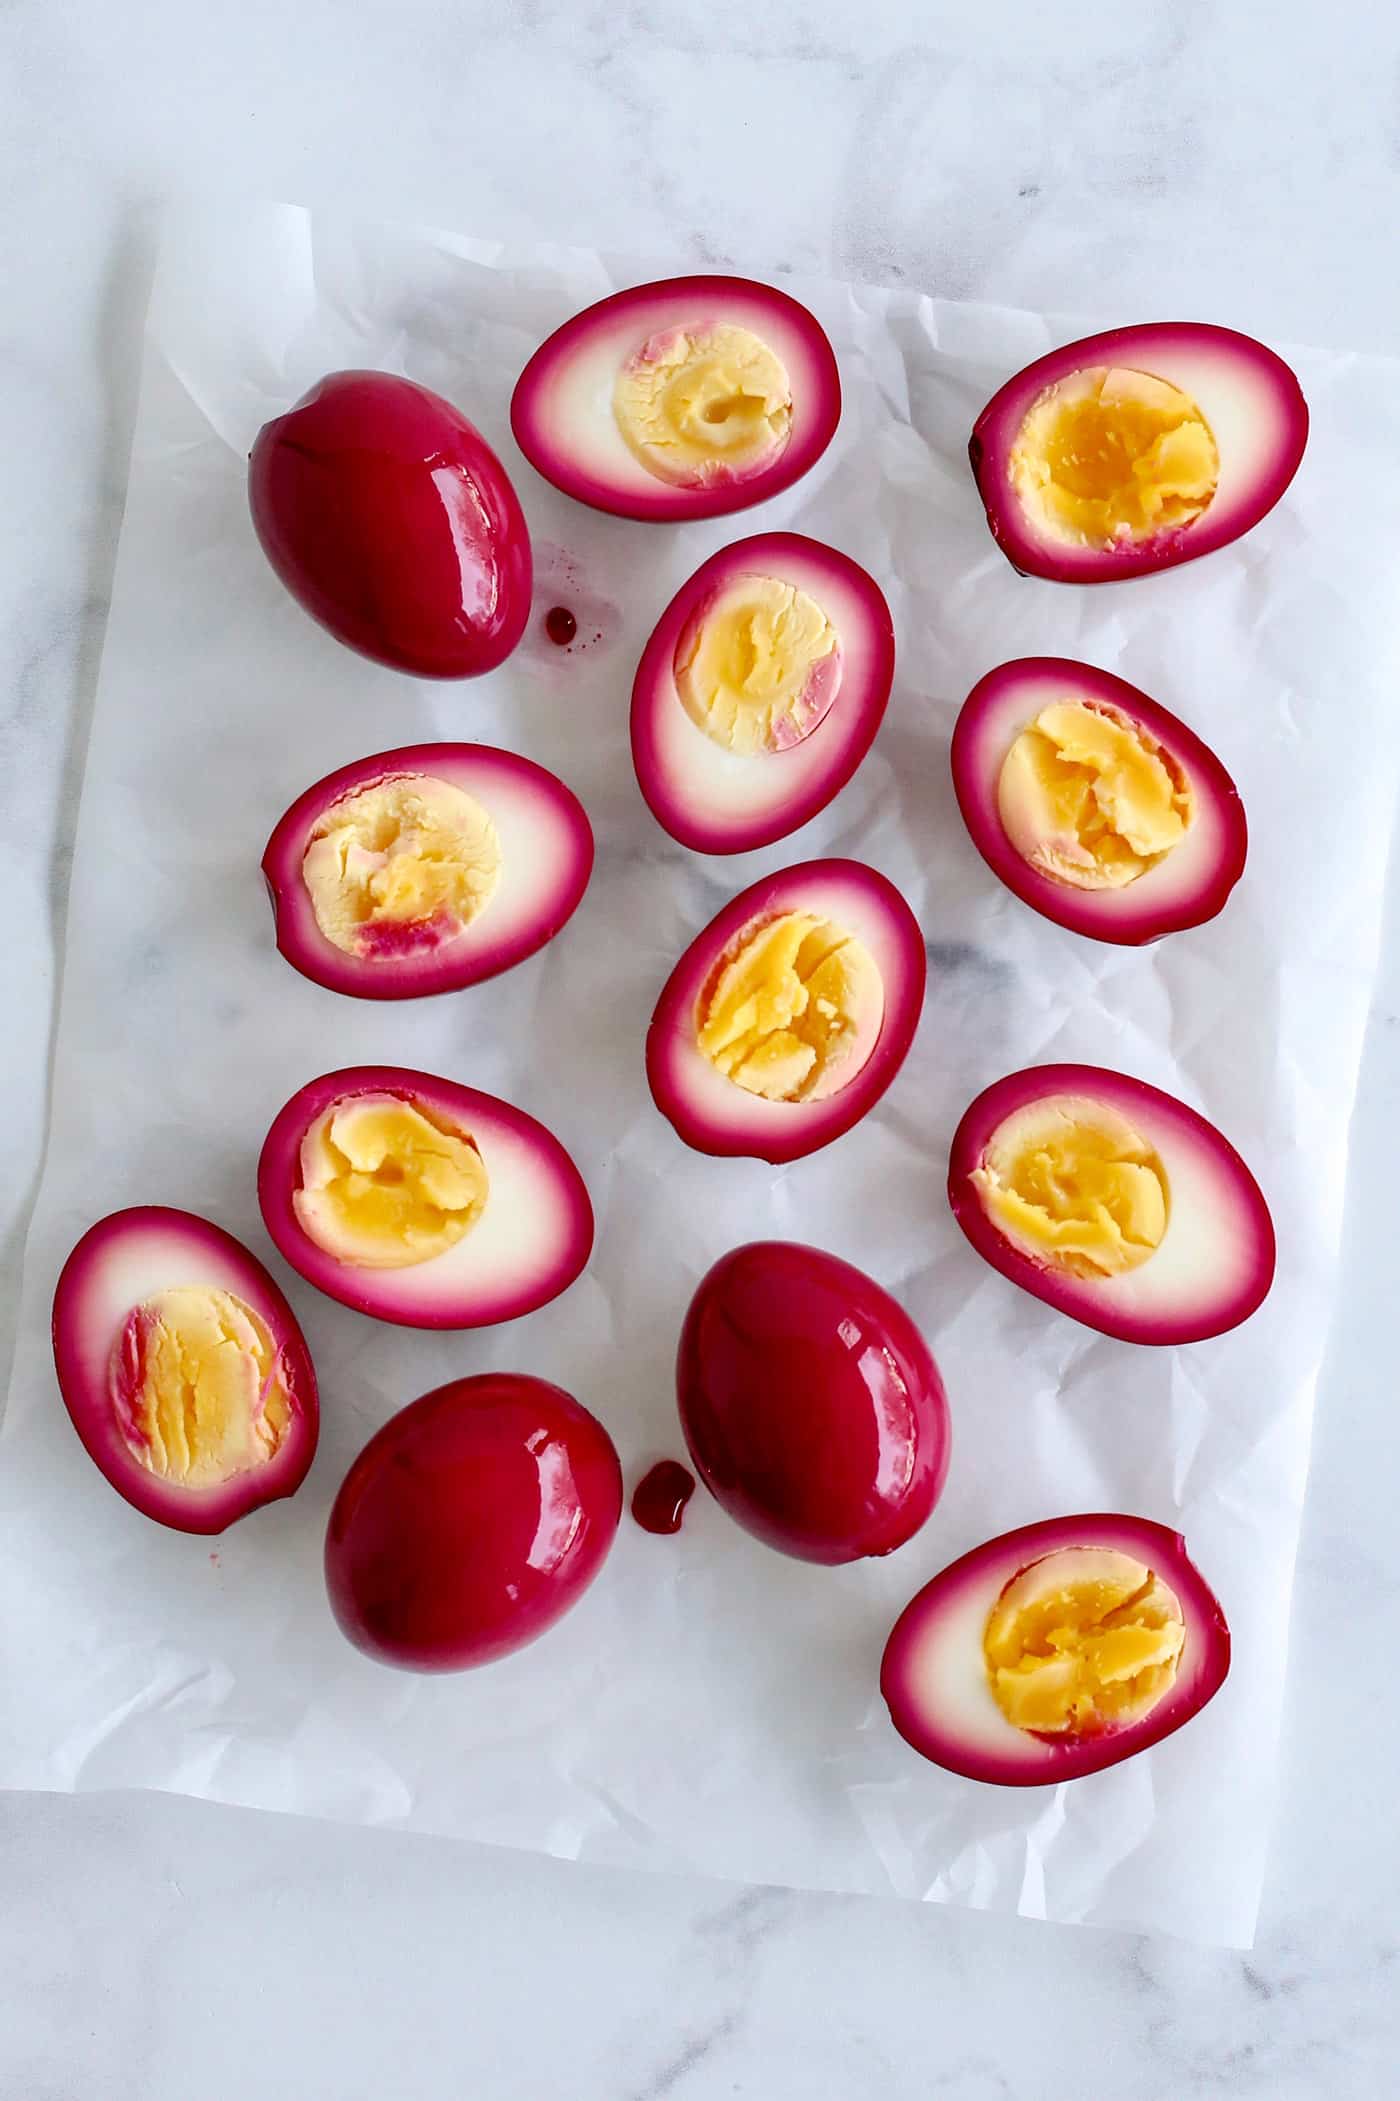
column 811, row 1404
column 391, row 521
column 471, row 1522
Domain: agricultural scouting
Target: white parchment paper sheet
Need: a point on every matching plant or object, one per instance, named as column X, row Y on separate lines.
column 710, row 1705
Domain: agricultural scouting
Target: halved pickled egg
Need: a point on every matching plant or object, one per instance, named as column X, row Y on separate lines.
column 681, row 399
column 1055, row 1651
column 760, row 691
column 183, row 1369
column 1113, row 1202
column 1137, row 449
column 1094, row 804
column 425, row 869
column 420, row 1201
column 789, row 1016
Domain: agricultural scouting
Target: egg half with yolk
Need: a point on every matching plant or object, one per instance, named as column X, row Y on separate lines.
column 1055, row 1651
column 425, row 869
column 789, row 1016
column 682, row 399
column 1113, row 1202
column 1094, row 804
column 1136, row 450
column 183, row 1369
column 420, row 1201
column 760, row 691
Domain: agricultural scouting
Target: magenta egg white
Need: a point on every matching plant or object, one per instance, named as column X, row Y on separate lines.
column 1215, row 1264
column 131, row 1257
column 1249, row 397
column 1189, row 886
column 706, row 1108
column 725, row 802
column 934, row 1677
column 562, row 414
column 532, row 1241
column 546, row 845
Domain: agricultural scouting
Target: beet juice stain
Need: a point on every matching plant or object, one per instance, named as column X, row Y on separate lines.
column 660, row 1497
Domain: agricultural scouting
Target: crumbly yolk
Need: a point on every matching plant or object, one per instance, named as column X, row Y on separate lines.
column 401, row 866
column 1081, row 1641
column 384, row 1184
column 794, row 1012
column 1074, row 1186
column 759, row 667
column 1089, row 798
column 1109, row 455
column 197, row 1385
column 702, row 405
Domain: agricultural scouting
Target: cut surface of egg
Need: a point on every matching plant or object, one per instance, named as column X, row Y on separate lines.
column 760, row 691
column 1093, row 804
column 425, row 869
column 420, row 1201
column 681, row 399
column 1055, row 1651
column 789, row 1016
column 183, row 1369
column 1136, row 450
column 1113, row 1202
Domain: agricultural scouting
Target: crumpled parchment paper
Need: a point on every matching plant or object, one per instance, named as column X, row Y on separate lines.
column 710, row 1705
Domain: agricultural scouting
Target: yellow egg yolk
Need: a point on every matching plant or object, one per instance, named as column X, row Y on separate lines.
column 403, row 865
column 794, row 1011
column 759, row 667
column 1086, row 1639
column 1111, row 454
column 1089, row 798
column 1072, row 1184
column 385, row 1184
column 196, row 1381
column 700, row 405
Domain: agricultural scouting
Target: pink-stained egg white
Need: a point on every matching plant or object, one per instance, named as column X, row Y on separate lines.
column 1248, row 396
column 934, row 1675
column 706, row 1108
column 1214, row 1265
column 1187, row 887
column 722, row 801
column 532, row 1240
column 546, row 859
column 124, row 1262
column 562, row 410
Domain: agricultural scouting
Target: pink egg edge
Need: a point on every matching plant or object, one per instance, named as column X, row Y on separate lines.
column 1164, row 1549
column 668, row 1041
column 279, row 1168
column 1068, row 1294
column 460, row 963
column 998, row 422
column 1123, row 924
column 205, row 1511
column 860, row 712
column 820, row 394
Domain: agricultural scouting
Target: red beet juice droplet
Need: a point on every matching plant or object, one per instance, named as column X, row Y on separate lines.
column 660, row 1497
column 560, row 625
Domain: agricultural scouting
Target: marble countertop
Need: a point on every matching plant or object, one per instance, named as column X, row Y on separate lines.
column 1241, row 165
